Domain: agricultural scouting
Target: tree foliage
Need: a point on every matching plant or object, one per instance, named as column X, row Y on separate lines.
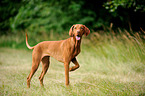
column 127, row 13
column 58, row 16
column 137, row 5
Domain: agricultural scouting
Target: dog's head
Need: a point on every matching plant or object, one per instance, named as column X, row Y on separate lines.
column 78, row 30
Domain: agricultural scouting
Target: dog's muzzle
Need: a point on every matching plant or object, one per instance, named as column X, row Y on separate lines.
column 78, row 37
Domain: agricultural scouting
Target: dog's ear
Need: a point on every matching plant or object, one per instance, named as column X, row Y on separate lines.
column 86, row 31
column 71, row 31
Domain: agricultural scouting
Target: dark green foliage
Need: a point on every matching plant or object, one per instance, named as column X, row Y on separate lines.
column 8, row 10
column 127, row 14
column 137, row 5
column 45, row 16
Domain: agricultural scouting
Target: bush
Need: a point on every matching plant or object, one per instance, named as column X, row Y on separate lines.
column 44, row 16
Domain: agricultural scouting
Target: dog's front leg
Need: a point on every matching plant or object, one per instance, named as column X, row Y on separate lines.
column 76, row 65
column 66, row 66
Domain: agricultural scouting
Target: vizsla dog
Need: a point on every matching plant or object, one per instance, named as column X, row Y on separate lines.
column 64, row 51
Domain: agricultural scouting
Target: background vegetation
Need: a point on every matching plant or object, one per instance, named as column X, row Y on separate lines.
column 39, row 16
column 110, row 65
column 112, row 58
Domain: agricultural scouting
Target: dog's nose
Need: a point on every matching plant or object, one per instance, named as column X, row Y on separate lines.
column 78, row 31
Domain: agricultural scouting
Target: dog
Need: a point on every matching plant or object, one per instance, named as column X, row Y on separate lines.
column 64, row 51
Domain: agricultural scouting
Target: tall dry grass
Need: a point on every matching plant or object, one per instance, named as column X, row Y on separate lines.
column 111, row 63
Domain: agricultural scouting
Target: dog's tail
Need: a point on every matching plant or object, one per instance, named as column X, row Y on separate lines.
column 27, row 43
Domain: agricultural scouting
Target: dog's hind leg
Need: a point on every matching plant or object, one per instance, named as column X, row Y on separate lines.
column 35, row 64
column 45, row 66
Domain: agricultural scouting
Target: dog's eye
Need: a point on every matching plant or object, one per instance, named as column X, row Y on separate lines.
column 81, row 27
column 75, row 28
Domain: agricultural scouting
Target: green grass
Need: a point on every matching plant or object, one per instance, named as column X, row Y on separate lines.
column 109, row 65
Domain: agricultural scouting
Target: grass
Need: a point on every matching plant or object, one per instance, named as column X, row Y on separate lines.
column 111, row 64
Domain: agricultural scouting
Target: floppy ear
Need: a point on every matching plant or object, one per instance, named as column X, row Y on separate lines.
column 71, row 31
column 86, row 31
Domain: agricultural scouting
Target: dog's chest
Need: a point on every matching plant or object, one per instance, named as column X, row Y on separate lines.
column 76, row 51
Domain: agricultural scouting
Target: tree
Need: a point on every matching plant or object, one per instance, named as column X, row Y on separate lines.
column 127, row 10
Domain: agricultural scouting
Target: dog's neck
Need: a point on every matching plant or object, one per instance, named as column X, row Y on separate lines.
column 77, row 42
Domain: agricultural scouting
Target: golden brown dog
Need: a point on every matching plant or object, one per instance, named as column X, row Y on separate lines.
column 64, row 51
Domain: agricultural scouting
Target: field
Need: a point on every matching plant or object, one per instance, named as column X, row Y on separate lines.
column 110, row 64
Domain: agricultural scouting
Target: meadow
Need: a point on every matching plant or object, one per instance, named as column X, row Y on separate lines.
column 110, row 64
